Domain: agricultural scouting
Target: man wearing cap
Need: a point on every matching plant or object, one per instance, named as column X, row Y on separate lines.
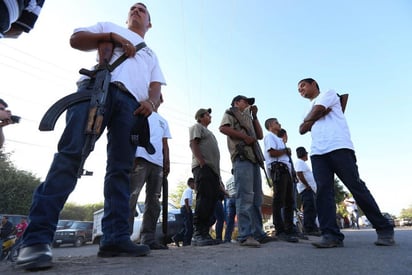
column 242, row 128
column 206, row 171
column 307, row 191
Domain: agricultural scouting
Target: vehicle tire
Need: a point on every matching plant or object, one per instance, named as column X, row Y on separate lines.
column 55, row 245
column 78, row 242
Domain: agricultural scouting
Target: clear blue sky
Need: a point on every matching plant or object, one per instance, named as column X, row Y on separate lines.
column 211, row 51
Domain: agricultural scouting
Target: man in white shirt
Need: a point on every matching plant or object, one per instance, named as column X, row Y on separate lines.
column 332, row 152
column 307, row 191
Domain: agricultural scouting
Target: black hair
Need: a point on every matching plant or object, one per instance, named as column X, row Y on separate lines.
column 282, row 132
column 190, row 180
column 310, row 81
column 268, row 122
column 2, row 102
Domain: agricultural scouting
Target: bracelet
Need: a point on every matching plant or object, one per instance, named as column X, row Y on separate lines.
column 151, row 103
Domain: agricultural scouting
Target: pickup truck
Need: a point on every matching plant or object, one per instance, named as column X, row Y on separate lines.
column 174, row 222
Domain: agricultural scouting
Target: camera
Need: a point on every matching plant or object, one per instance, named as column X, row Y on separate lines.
column 15, row 119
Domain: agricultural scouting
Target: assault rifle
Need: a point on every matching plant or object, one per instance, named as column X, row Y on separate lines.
column 255, row 146
column 97, row 98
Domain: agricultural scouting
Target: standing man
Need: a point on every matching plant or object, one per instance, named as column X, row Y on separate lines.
column 332, row 152
column 307, row 190
column 150, row 169
column 279, row 166
column 206, row 171
column 230, row 208
column 6, row 229
column 133, row 94
column 241, row 126
column 186, row 203
column 17, row 17
column 352, row 210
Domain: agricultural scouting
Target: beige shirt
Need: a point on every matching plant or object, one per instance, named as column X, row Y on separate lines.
column 208, row 147
column 232, row 122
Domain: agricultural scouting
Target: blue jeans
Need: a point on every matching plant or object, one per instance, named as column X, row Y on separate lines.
column 249, row 199
column 309, row 210
column 186, row 232
column 343, row 163
column 51, row 195
column 230, row 211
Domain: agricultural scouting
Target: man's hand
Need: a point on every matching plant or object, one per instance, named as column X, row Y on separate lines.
column 249, row 140
column 145, row 109
column 254, row 110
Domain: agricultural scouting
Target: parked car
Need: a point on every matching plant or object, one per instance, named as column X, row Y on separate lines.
column 174, row 222
column 64, row 224
column 405, row 222
column 77, row 234
column 389, row 218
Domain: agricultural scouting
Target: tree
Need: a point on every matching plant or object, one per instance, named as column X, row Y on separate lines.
column 177, row 194
column 406, row 213
column 72, row 211
column 16, row 187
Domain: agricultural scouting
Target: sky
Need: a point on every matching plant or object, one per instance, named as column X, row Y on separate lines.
column 211, row 51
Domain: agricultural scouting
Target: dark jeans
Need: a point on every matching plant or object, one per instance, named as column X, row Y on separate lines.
column 309, row 210
column 50, row 196
column 230, row 211
column 219, row 218
column 185, row 234
column 207, row 187
column 343, row 163
column 283, row 198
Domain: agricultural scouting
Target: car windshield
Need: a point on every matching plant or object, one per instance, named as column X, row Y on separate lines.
column 79, row 225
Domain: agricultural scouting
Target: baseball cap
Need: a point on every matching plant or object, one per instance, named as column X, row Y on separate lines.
column 202, row 111
column 250, row 100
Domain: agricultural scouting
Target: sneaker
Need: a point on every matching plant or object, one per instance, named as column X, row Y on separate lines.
column 287, row 237
column 250, row 242
column 157, row 246
column 174, row 239
column 123, row 249
column 328, row 243
column 200, row 240
column 385, row 241
column 267, row 239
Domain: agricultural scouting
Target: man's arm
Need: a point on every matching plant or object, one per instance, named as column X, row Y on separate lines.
column 274, row 153
column 255, row 121
column 302, row 179
column 187, row 206
column 317, row 112
column 148, row 106
column 229, row 131
column 194, row 146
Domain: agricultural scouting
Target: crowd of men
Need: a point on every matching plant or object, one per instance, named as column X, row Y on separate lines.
column 134, row 94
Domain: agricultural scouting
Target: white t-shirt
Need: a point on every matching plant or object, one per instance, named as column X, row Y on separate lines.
column 187, row 194
column 302, row 166
column 350, row 205
column 272, row 141
column 159, row 129
column 331, row 132
column 137, row 72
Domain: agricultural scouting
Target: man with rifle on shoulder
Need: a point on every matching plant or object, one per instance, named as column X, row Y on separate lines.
column 133, row 93
column 242, row 128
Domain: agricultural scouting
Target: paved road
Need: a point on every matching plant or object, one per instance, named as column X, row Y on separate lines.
column 359, row 256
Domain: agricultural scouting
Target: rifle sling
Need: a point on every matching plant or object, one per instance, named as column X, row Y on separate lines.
column 123, row 57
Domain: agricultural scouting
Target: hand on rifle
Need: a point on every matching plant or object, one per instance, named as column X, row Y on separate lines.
column 128, row 47
column 249, row 140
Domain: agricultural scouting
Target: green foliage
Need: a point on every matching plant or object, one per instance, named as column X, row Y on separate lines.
column 72, row 211
column 16, row 187
column 406, row 213
column 175, row 197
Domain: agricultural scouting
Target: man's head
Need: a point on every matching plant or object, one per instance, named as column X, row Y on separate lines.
column 203, row 116
column 301, row 152
column 272, row 125
column 191, row 182
column 4, row 219
column 283, row 135
column 308, row 88
column 242, row 102
column 139, row 19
